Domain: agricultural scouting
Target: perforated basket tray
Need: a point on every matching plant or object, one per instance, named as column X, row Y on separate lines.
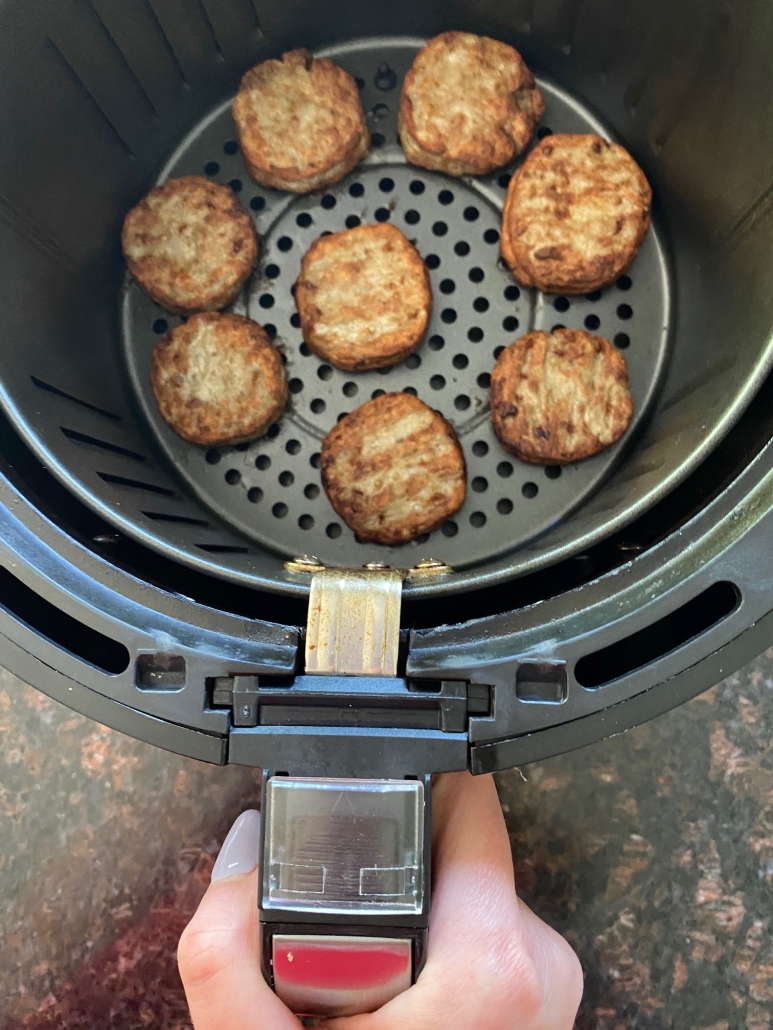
column 269, row 491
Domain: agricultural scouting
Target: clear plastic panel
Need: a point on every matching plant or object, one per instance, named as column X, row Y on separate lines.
column 349, row 846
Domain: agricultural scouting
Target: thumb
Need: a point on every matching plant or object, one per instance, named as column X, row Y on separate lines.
column 219, row 951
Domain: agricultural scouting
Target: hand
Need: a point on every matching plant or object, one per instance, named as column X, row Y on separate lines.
column 491, row 963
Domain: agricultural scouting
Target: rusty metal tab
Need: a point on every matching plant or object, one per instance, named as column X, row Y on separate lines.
column 353, row 625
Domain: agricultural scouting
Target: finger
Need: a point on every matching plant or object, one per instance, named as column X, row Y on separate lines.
column 472, row 858
column 219, row 951
column 473, row 909
column 491, row 963
column 558, row 970
column 474, row 874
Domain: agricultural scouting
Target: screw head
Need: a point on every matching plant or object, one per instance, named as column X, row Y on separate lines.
column 304, row 563
column 430, row 567
column 376, row 566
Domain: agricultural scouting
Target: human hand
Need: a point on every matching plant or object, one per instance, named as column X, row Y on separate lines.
column 491, row 963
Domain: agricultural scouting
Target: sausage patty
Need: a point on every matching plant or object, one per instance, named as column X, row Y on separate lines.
column 559, row 397
column 469, row 105
column 576, row 214
column 363, row 297
column 300, row 122
column 393, row 469
column 190, row 244
column 218, row 380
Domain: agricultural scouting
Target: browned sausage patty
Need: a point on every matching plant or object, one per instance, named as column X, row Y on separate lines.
column 393, row 469
column 576, row 214
column 300, row 122
column 559, row 397
column 218, row 379
column 190, row 244
column 364, row 297
column 469, row 105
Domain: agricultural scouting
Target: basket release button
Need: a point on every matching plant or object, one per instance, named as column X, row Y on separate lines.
column 339, row 976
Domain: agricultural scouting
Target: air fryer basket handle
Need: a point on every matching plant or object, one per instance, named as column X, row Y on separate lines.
column 344, row 890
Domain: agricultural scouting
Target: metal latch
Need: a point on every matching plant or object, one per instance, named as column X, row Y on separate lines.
column 353, row 625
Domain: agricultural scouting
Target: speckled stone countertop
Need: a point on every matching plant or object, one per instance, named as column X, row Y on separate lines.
column 652, row 853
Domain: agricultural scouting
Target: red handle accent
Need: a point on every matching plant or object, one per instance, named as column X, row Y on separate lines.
column 329, row 975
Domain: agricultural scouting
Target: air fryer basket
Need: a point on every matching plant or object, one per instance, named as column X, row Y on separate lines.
column 118, row 85
column 103, row 98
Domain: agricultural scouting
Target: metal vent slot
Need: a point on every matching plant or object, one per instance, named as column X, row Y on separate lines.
column 123, row 60
column 223, row 549
column 215, row 42
column 233, row 25
column 48, row 388
column 135, row 31
column 117, row 132
column 135, row 484
column 189, row 34
column 165, row 41
column 93, row 441
column 184, row 520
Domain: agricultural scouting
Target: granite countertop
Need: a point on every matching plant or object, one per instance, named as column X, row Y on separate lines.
column 652, row 853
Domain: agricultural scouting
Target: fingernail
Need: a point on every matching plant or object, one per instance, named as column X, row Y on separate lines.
column 240, row 852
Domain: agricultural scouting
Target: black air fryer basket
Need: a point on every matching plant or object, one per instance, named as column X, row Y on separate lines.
column 142, row 580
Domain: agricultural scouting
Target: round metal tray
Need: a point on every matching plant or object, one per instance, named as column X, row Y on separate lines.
column 270, row 490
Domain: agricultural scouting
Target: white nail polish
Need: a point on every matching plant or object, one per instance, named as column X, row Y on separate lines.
column 240, row 852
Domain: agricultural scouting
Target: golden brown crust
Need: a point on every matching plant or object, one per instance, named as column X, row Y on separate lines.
column 559, row 397
column 190, row 244
column 469, row 105
column 300, row 122
column 576, row 214
column 218, row 380
column 364, row 297
column 393, row 469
